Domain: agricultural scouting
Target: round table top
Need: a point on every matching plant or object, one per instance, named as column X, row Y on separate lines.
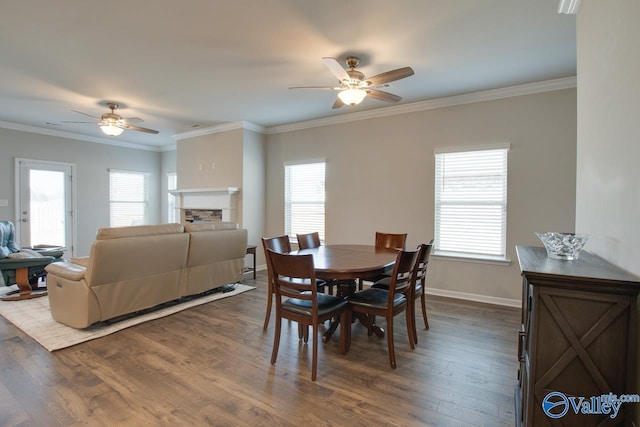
column 348, row 262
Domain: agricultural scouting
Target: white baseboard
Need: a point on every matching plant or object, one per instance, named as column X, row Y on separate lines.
column 475, row 297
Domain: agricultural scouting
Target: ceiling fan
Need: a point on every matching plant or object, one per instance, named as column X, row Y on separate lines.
column 113, row 124
column 354, row 87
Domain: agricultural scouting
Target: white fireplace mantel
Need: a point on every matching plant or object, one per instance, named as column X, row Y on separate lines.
column 223, row 198
column 216, row 190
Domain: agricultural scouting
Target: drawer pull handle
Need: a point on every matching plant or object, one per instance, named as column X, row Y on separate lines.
column 521, row 337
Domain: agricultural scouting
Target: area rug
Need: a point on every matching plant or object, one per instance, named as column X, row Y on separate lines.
column 34, row 318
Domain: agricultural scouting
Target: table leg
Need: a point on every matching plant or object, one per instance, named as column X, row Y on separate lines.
column 344, row 288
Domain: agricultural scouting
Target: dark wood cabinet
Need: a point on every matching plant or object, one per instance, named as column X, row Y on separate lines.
column 577, row 338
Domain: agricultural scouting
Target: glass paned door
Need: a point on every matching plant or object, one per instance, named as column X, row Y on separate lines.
column 45, row 204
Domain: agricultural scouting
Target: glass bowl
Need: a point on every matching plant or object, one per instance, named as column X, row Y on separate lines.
column 565, row 246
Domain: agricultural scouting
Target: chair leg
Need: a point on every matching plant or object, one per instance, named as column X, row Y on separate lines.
column 360, row 284
column 414, row 326
column 424, row 310
column 411, row 324
column 314, row 361
column 269, row 301
column 276, row 341
column 392, row 352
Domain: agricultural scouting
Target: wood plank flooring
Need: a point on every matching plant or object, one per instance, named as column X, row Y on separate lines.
column 209, row 365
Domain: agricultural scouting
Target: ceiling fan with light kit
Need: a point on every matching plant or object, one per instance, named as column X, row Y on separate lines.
column 354, row 86
column 113, row 124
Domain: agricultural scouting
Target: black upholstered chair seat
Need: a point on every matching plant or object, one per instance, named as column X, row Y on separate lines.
column 326, row 304
column 385, row 282
column 376, row 298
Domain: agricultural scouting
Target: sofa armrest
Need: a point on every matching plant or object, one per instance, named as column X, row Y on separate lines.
column 83, row 260
column 66, row 270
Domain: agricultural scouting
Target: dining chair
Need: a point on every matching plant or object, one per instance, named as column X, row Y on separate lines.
column 295, row 279
column 386, row 240
column 278, row 244
column 391, row 240
column 310, row 241
column 390, row 302
column 418, row 284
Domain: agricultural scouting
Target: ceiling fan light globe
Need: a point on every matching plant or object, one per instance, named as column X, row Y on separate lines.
column 352, row 96
column 111, row 130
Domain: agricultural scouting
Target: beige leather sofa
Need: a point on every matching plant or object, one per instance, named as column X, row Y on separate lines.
column 133, row 268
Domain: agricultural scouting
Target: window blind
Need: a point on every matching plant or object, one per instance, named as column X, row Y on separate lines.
column 471, row 203
column 128, row 198
column 304, row 199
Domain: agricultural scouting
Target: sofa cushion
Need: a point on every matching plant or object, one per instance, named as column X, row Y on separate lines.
column 108, row 233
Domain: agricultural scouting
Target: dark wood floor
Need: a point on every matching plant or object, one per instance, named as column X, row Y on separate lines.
column 209, row 365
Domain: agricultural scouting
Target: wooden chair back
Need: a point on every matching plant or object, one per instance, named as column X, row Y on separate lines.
column 403, row 274
column 421, row 265
column 391, row 240
column 308, row 240
column 278, row 244
column 294, row 276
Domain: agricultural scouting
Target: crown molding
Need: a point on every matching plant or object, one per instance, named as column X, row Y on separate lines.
column 224, row 127
column 77, row 137
column 487, row 95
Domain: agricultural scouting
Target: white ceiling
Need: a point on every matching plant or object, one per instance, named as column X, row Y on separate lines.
column 180, row 64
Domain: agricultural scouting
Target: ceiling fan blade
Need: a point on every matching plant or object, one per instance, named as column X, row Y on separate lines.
column 390, row 76
column 138, row 128
column 338, row 103
column 335, row 68
column 316, row 87
column 85, row 114
column 133, row 120
column 383, row 96
column 91, row 123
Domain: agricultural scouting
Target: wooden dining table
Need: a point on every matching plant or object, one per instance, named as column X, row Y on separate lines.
column 345, row 264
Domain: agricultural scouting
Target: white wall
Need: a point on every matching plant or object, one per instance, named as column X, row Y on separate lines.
column 253, row 187
column 92, row 162
column 608, row 191
column 380, row 171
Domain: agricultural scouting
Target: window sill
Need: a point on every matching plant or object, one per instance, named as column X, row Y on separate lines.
column 477, row 259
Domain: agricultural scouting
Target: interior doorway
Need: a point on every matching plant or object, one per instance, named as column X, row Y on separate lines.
column 45, row 204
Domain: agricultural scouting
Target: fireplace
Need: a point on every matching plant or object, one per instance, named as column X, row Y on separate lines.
column 207, row 204
column 202, row 215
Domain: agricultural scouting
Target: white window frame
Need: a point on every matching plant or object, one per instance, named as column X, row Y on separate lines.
column 114, row 199
column 290, row 201
column 172, row 183
column 451, row 206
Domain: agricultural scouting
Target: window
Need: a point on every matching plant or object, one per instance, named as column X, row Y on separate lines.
column 172, row 182
column 128, row 198
column 304, row 199
column 471, row 203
